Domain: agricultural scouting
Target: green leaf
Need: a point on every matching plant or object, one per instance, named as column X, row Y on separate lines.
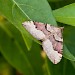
column 17, row 22
column 54, row 0
column 69, row 44
column 13, row 51
column 36, row 10
column 73, row 63
column 67, row 54
column 16, row 53
column 18, row 11
column 63, row 68
column 66, row 14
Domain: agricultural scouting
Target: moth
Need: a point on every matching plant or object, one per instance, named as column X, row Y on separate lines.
column 50, row 36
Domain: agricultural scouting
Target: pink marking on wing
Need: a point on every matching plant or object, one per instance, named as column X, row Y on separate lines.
column 41, row 26
column 59, row 47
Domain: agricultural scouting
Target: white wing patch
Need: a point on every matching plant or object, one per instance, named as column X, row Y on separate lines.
column 29, row 25
column 51, row 37
column 53, row 55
